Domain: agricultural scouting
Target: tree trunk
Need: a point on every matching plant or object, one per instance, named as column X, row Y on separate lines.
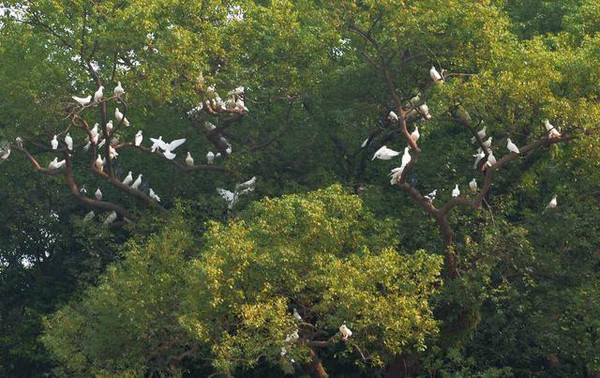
column 315, row 368
column 403, row 366
column 449, row 250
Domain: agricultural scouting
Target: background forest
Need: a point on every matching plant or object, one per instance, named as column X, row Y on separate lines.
column 172, row 277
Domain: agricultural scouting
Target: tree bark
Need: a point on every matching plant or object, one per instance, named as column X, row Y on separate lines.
column 403, row 366
column 315, row 368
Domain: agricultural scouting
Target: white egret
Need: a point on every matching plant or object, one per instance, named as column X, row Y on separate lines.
column 385, row 153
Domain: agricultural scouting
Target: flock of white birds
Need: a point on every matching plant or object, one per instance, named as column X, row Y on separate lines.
column 385, row 153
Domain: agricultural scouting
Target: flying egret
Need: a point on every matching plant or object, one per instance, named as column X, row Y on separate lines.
column 137, row 182
column 246, row 186
column 424, row 110
column 99, row 163
column 119, row 116
column 415, row 135
column 54, row 143
column 392, row 116
column 385, row 153
column 118, row 91
column 159, row 143
column 55, row 164
column 189, row 160
column 455, row 192
column 99, row 94
column 98, row 194
column 406, row 157
column 431, row 196
column 480, row 134
column 512, row 147
column 153, row 195
column 210, row 157
column 434, row 74
column 138, row 138
column 473, row 185
column 110, row 218
column 156, row 143
column 128, row 179
column 345, row 331
column 228, row 196
column 83, row 101
column 551, row 205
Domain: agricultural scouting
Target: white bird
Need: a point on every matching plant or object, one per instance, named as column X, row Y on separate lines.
column 395, row 175
column 109, row 126
column 99, row 163
column 19, row 142
column 102, row 142
column 488, row 142
column 480, row 134
column 345, row 331
column 159, row 143
column 548, row 125
column 5, row 154
column 512, row 147
column 239, row 90
column 210, row 157
column 414, row 101
column 385, row 153
column 228, row 196
column 55, row 164
column 415, row 135
column 424, row 110
column 99, row 94
column 292, row 337
column 246, row 186
column 392, row 116
column 87, row 145
column 153, row 195
column 455, row 192
column 118, row 91
column 189, row 160
column 110, row 218
column 128, row 179
column 156, row 143
column 83, row 101
column 169, row 155
column 431, row 196
column 364, row 144
column 478, row 156
column 69, row 141
column 554, row 134
column 137, row 182
column 297, row 315
column 228, row 150
column 98, row 194
column 491, row 159
column 89, row 216
column 434, row 74
column 552, row 204
column 138, row 138
column 119, row 117
column 54, row 143
column 406, row 157
column 218, row 155
column 112, row 152
column 94, row 132
column 473, row 185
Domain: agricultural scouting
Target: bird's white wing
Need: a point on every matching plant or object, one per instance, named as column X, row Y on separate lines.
column 176, row 143
column 226, row 194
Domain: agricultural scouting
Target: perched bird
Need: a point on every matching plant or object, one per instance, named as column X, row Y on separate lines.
column 153, row 195
column 128, row 179
column 83, row 191
column 392, row 116
column 98, row 194
column 297, row 315
column 478, row 156
column 87, row 145
column 473, row 185
column 54, row 143
column 112, row 152
column 89, row 216
column 99, row 163
column 406, row 157
column 102, row 142
column 229, row 150
column 110, row 218
column 99, row 94
column 119, row 116
column 455, row 192
column 228, row 196
column 210, row 157
column 83, row 101
column 292, row 337
column 491, row 159
column 138, row 138
column 512, row 147
column 395, row 175
column 55, row 164
column 218, row 155
column 415, row 135
column 109, row 126
column 239, row 90
column 424, row 110
column 434, row 74
column 118, row 91
column 548, row 125
column 137, row 182
column 488, row 142
column 552, row 131
column 69, row 141
column 189, row 160
column 480, row 134
column 19, row 142
column 385, row 153
column 345, row 331
column 94, row 132
column 431, row 196
column 551, row 205
column 414, row 100
column 5, row 154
